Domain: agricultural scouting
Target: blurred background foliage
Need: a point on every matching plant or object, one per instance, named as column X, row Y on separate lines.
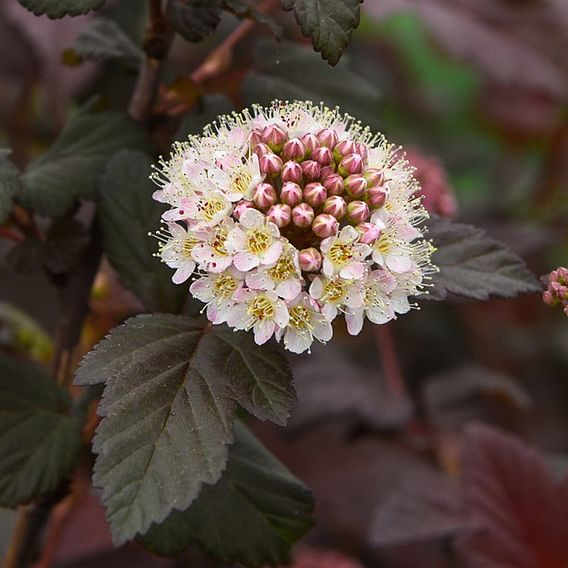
column 477, row 93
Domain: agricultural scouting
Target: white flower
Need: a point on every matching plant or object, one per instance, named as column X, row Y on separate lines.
column 334, row 294
column 218, row 292
column 248, row 267
column 377, row 305
column 240, row 179
column 262, row 312
column 254, row 241
column 393, row 253
column 306, row 323
column 212, row 254
column 175, row 250
column 343, row 255
column 285, row 277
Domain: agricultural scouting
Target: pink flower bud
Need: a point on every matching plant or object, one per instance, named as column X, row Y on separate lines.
column 328, row 137
column 291, row 171
column 291, row 193
column 334, row 184
column 274, row 136
column 374, row 176
column 280, row 214
column 369, row 233
column 311, row 142
column 264, row 195
column 322, row 156
column 241, row 207
column 314, row 194
column 261, row 149
column 335, row 206
column 355, row 185
column 358, row 212
column 325, row 225
column 294, row 149
column 344, row 148
column 310, row 259
column 311, row 170
column 326, row 171
column 302, row 215
column 376, row 196
column 255, row 137
column 270, row 164
column 363, row 151
column 351, row 164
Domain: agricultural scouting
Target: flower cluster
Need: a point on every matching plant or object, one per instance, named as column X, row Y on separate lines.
column 287, row 216
column 556, row 293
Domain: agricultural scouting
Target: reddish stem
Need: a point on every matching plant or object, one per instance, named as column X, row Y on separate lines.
column 11, row 235
column 389, row 360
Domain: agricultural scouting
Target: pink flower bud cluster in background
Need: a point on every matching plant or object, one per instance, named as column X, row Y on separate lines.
column 556, row 293
column 285, row 217
column 436, row 191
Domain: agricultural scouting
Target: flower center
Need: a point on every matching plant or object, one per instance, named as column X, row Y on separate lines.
column 225, row 285
column 300, row 318
column 241, row 179
column 333, row 291
column 373, row 297
column 188, row 245
column 218, row 242
column 259, row 240
column 261, row 308
column 340, row 253
column 211, row 207
column 283, row 270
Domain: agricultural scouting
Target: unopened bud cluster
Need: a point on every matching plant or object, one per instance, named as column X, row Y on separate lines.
column 290, row 215
column 556, row 293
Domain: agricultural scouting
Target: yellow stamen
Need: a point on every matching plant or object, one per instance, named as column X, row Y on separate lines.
column 224, row 286
column 340, row 253
column 261, row 308
column 259, row 240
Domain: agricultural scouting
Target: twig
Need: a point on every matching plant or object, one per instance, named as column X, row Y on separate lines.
column 389, row 360
column 11, row 235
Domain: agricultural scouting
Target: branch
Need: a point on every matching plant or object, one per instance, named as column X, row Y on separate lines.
column 389, row 360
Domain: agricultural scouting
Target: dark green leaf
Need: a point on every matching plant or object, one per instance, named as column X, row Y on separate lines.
column 9, row 183
column 474, row 265
column 72, row 166
column 244, row 9
column 104, row 40
column 65, row 240
column 252, row 515
column 289, row 71
column 210, row 107
column 127, row 212
column 329, row 23
column 59, row 8
column 39, row 441
column 194, row 19
column 172, row 386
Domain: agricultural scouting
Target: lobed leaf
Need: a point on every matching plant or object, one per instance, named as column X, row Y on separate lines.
column 521, row 509
column 126, row 212
column 252, row 515
column 172, row 386
column 329, row 24
column 58, row 8
column 39, row 440
column 474, row 265
column 104, row 40
column 9, row 183
column 72, row 166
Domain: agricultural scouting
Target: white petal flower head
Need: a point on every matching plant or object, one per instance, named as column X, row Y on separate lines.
column 343, row 255
column 176, row 247
column 218, row 292
column 254, row 241
column 306, row 324
column 284, row 277
column 263, row 312
column 251, row 222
